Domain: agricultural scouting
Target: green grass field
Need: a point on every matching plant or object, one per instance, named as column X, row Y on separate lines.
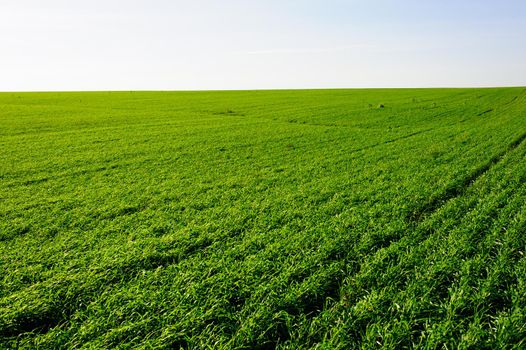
column 326, row 219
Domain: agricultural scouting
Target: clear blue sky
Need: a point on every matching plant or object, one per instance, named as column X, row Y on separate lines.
column 260, row 44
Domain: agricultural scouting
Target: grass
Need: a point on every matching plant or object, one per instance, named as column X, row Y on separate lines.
column 326, row 219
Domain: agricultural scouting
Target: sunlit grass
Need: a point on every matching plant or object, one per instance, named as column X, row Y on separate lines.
column 263, row 219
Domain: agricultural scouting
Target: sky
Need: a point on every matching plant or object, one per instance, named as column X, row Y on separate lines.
column 260, row 44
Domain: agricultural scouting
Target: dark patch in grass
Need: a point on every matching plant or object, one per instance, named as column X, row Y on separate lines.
column 35, row 323
column 390, row 141
column 485, row 112
column 512, row 100
column 105, row 141
column 160, row 230
column 72, row 174
column 180, row 343
column 120, row 212
column 229, row 112
column 87, row 171
column 22, row 230
column 17, row 232
column 127, row 210
column 312, row 304
column 407, row 136
column 34, row 181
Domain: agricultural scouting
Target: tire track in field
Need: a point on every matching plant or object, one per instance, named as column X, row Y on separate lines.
column 314, row 304
column 355, row 150
column 523, row 91
column 39, row 180
column 383, row 262
column 355, row 266
column 460, row 187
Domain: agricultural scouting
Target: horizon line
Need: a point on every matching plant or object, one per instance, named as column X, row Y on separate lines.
column 271, row 89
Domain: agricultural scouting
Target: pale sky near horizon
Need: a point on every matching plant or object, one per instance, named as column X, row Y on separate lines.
column 235, row 44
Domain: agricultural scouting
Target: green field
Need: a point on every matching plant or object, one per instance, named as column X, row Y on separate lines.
column 327, row 219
